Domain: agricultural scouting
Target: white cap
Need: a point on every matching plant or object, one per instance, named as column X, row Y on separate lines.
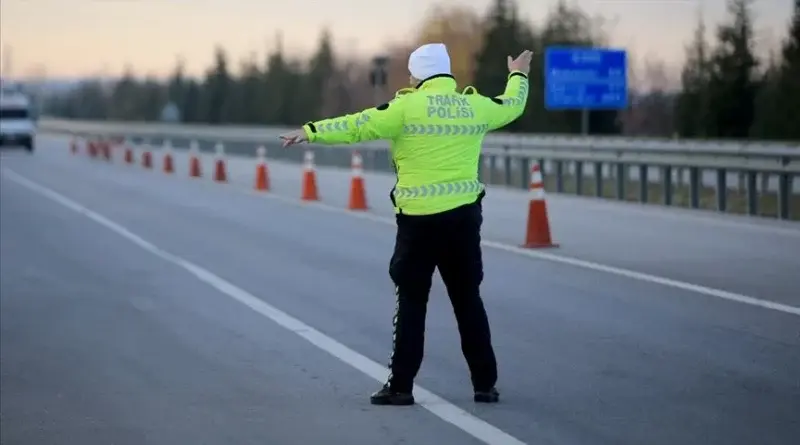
column 429, row 60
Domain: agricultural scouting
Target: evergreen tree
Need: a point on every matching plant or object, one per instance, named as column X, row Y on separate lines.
column 125, row 97
column 233, row 107
column 92, row 101
column 295, row 108
column 768, row 122
column 252, row 100
column 152, row 100
column 691, row 106
column 504, row 36
column 190, row 106
column 216, row 89
column 176, row 88
column 733, row 83
column 276, row 78
column 318, row 80
column 787, row 103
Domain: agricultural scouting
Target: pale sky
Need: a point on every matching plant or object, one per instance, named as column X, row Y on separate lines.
column 58, row 38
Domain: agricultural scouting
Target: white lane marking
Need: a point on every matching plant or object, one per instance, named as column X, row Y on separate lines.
column 443, row 409
column 640, row 276
column 711, row 292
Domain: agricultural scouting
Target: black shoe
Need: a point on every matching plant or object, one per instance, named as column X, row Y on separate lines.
column 388, row 396
column 490, row 396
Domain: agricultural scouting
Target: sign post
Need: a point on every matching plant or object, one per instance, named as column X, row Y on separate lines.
column 586, row 79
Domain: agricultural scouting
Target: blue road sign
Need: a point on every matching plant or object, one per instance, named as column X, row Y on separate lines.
column 585, row 78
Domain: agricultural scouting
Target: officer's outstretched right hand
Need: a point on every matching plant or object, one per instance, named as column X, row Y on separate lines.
column 522, row 63
column 294, row 137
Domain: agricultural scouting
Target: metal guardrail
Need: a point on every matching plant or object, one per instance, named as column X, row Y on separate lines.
column 703, row 174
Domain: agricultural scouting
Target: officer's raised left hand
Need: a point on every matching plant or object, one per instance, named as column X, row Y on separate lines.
column 522, row 63
column 294, row 137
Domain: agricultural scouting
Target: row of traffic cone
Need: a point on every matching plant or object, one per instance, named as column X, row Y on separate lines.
column 95, row 148
column 358, row 193
column 309, row 191
column 168, row 162
column 537, row 230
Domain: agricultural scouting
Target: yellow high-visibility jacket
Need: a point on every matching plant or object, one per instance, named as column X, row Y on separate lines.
column 435, row 136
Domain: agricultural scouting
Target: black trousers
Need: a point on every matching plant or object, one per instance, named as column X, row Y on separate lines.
column 451, row 242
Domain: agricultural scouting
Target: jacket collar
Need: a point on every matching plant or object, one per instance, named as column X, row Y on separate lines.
column 438, row 82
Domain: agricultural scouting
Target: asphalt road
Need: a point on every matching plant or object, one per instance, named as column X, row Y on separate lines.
column 751, row 256
column 106, row 339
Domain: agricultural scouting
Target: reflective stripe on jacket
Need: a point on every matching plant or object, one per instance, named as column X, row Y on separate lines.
column 435, row 136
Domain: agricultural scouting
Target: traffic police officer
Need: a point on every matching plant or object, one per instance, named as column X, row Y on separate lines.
column 435, row 134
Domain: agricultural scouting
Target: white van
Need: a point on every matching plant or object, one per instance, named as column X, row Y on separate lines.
column 17, row 118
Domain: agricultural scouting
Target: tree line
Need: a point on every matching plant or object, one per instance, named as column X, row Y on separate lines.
column 725, row 91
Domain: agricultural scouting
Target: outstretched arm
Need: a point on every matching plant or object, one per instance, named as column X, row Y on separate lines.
column 381, row 122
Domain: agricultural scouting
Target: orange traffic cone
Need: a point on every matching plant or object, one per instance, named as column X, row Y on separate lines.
column 194, row 160
column 168, row 167
column 262, row 174
column 537, row 234
column 128, row 153
column 73, row 146
column 147, row 157
column 220, row 175
column 309, row 191
column 358, row 196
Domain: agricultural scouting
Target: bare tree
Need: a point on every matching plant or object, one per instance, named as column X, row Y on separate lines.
column 651, row 111
column 656, row 75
